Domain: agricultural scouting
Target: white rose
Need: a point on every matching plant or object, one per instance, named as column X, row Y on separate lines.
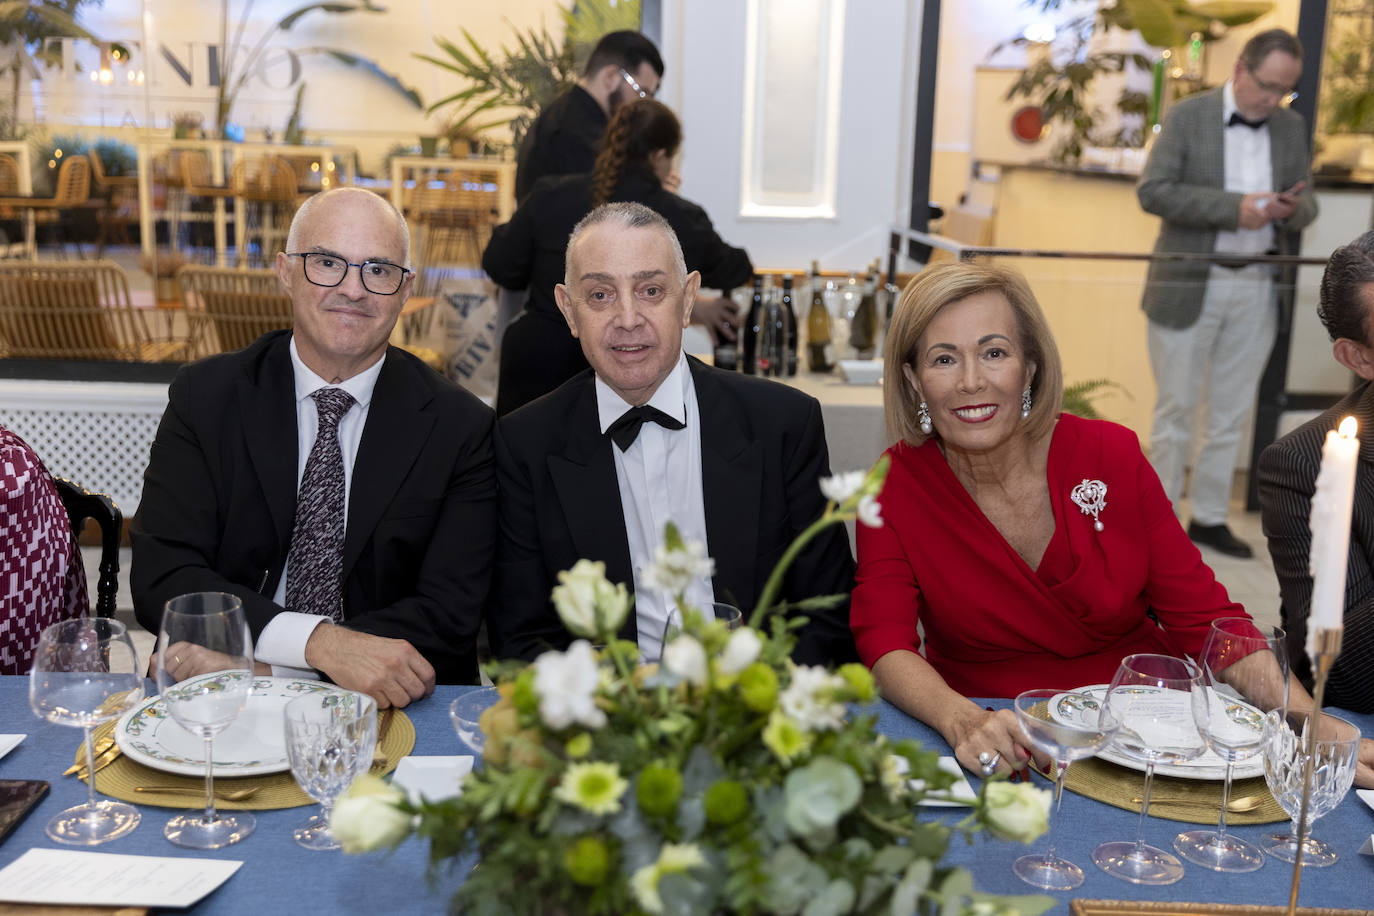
column 366, row 817
column 612, row 604
column 1016, row 811
column 740, row 652
column 575, row 596
column 840, row 488
column 566, row 683
column 685, row 657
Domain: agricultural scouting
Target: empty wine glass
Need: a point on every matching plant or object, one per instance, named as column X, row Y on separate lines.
column 1150, row 706
column 330, row 737
column 1245, row 676
column 205, row 674
column 85, row 672
column 466, row 714
column 1285, row 762
column 727, row 614
column 1065, row 740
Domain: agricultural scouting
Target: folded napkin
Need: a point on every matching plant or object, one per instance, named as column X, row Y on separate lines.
column 432, row 778
column 9, row 743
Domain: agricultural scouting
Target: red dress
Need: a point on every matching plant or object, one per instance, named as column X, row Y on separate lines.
column 995, row 627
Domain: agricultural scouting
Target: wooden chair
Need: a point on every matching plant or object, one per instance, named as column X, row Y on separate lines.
column 82, row 504
column 60, row 310
column 192, row 183
column 267, row 187
column 455, row 220
column 120, row 210
column 10, row 226
column 72, row 190
column 238, row 306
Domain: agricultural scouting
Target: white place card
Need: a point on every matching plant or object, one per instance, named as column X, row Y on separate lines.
column 433, row 777
column 1366, row 796
column 9, row 743
column 1368, row 847
column 101, row 879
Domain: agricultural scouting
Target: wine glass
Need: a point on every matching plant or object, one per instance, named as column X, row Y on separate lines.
column 466, row 714
column 1245, row 677
column 1149, row 704
column 205, row 674
column 1285, row 762
column 1064, row 739
column 85, row 671
column 330, row 737
column 727, row 614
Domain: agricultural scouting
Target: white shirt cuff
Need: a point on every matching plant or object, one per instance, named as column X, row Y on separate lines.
column 282, row 643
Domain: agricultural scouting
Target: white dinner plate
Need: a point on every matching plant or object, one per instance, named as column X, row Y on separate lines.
column 1069, row 706
column 253, row 744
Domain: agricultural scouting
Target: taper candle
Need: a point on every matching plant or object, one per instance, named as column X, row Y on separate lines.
column 1330, row 526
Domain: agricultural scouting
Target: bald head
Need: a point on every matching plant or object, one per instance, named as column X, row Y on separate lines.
column 357, row 200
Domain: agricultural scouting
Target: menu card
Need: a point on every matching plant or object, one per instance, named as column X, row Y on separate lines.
column 9, row 743
column 101, row 879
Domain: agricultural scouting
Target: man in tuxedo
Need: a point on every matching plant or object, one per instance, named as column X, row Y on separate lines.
column 1287, row 479
column 566, row 137
column 597, row 467
column 325, row 478
column 1229, row 175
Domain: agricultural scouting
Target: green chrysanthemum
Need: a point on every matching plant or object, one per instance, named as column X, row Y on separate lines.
column 726, row 802
column 758, row 687
column 593, row 787
column 579, row 746
column 587, row 861
column 785, row 738
column 524, row 696
column 659, row 789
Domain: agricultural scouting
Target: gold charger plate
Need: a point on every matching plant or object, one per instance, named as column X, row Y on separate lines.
column 1145, row 908
column 123, row 776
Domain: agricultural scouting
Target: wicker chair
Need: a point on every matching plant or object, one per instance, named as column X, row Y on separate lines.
column 455, row 220
column 60, row 310
column 229, row 309
column 267, row 187
column 120, row 210
column 73, row 189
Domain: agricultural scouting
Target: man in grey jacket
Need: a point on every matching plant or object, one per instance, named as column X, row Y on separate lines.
column 1229, row 175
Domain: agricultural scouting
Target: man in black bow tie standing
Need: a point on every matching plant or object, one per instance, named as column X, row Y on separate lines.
column 596, row 468
column 1229, row 174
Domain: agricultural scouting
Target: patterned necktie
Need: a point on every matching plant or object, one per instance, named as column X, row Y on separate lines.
column 314, row 565
column 625, row 430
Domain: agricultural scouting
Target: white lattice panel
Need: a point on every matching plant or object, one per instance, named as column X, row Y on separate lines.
column 97, row 434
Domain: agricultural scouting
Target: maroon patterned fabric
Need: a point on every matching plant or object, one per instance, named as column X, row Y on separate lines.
column 42, row 579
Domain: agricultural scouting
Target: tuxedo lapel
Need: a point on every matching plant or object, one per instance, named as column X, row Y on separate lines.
column 268, row 402
column 731, row 481
column 399, row 422
column 589, row 494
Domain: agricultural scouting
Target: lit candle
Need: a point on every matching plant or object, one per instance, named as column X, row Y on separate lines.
column 1330, row 526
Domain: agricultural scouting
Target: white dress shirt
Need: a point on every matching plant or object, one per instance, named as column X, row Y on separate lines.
column 1249, row 168
column 282, row 642
column 660, row 481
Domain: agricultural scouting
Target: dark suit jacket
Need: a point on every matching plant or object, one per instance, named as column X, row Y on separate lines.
column 762, row 455
column 1287, row 479
column 563, row 140
column 1185, row 183
column 219, row 499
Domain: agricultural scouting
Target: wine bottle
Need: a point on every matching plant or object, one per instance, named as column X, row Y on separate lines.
column 789, row 367
column 863, row 330
column 726, row 353
column 818, row 326
column 774, row 347
column 753, row 330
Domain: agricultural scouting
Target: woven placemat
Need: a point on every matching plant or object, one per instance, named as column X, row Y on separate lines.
column 1194, row 801
column 121, row 778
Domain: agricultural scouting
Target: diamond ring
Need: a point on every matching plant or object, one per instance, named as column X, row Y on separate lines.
column 989, row 761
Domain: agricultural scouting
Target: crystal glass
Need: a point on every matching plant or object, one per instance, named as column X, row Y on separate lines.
column 205, row 674
column 1245, row 677
column 727, row 614
column 1150, row 709
column 466, row 714
column 85, row 672
column 330, row 737
column 1333, row 771
column 1064, row 742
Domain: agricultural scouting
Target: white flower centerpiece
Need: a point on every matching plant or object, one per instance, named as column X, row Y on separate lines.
column 724, row 779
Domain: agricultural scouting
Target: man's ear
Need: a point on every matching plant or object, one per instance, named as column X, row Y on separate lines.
column 689, row 296
column 283, row 266
column 1355, row 356
column 565, row 305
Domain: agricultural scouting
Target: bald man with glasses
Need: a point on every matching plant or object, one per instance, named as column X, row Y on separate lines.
column 339, row 487
column 1229, row 175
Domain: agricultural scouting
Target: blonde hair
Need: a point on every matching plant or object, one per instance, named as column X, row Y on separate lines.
column 936, row 287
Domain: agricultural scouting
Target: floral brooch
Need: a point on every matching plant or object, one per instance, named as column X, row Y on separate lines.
column 1091, row 497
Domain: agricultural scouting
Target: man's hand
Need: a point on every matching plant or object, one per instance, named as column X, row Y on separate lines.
column 187, row 660
column 1364, row 764
column 1285, row 202
column 719, row 316
column 390, row 671
column 1254, row 210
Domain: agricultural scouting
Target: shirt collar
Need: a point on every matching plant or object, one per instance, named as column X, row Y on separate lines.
column 359, row 386
column 671, row 397
column 1228, row 103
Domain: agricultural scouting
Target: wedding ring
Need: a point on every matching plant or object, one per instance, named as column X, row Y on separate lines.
column 989, row 761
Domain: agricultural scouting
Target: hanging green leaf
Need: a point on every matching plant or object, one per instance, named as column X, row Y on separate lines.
column 1156, row 22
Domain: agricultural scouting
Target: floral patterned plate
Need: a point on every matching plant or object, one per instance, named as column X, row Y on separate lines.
column 252, row 745
column 1069, row 707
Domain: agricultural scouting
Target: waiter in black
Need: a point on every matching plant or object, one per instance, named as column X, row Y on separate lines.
column 566, row 137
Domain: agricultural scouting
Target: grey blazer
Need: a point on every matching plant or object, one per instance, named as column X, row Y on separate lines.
column 1287, row 479
column 1184, row 182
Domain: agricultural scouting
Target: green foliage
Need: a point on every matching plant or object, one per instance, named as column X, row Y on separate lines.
column 1065, row 84
column 116, row 157
column 43, row 148
column 1348, row 83
column 1079, row 397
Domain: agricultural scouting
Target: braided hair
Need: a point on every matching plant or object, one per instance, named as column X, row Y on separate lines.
column 637, row 130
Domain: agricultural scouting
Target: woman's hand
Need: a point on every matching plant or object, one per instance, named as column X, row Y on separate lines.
column 989, row 732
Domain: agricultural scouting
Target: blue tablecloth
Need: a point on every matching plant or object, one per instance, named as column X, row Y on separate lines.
column 280, row 877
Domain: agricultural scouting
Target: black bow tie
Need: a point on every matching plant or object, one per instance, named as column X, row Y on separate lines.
column 1238, row 118
column 625, row 430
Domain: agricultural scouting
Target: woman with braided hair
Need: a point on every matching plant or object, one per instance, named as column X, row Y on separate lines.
column 538, row 353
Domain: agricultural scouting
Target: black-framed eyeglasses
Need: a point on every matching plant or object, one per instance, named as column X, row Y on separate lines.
column 634, row 84
column 381, row 278
column 1281, row 92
